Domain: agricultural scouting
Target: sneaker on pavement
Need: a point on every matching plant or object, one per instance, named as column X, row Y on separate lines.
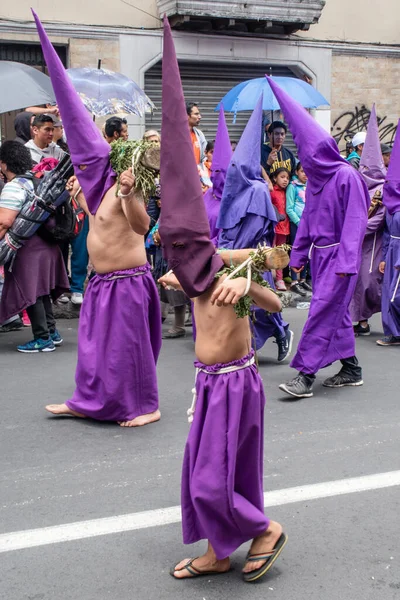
column 15, row 325
column 56, row 337
column 25, row 319
column 342, row 379
column 306, row 286
column 360, row 330
column 285, row 344
column 298, row 289
column 76, row 298
column 38, row 345
column 280, row 285
column 63, row 299
column 389, row 340
column 299, row 387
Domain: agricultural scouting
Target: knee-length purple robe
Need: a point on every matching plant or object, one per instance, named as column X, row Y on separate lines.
column 367, row 296
column 391, row 279
column 331, row 232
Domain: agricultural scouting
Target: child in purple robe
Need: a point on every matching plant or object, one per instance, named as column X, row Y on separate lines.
column 222, row 482
column 390, row 264
column 330, row 234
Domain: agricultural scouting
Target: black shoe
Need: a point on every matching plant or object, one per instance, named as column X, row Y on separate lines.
column 285, row 344
column 300, row 386
column 15, row 325
column 389, row 340
column 306, row 286
column 342, row 379
column 298, row 289
column 360, row 330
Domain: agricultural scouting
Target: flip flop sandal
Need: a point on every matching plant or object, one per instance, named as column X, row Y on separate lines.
column 269, row 557
column 171, row 335
column 193, row 571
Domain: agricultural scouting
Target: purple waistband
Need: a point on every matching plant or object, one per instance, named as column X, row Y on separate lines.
column 125, row 273
column 219, row 366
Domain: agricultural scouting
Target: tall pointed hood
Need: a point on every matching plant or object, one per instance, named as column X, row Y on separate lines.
column 371, row 163
column 391, row 188
column 221, row 157
column 89, row 151
column 318, row 151
column 184, row 229
column 245, row 190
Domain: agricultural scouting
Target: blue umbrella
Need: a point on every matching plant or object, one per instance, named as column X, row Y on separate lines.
column 245, row 95
column 105, row 93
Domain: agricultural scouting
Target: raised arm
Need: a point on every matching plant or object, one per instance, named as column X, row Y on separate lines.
column 132, row 203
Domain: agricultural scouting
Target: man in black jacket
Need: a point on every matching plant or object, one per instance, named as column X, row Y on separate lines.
column 274, row 155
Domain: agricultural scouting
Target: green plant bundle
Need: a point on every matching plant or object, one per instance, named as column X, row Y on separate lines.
column 126, row 154
column 243, row 307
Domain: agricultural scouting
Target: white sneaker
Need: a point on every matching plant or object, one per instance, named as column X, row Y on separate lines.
column 76, row 298
column 280, row 285
column 63, row 299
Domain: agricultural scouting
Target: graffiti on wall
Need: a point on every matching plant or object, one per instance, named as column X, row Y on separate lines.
column 352, row 121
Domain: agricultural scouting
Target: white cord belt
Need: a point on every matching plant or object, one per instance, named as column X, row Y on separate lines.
column 395, row 237
column 373, row 254
column 232, row 369
column 321, row 247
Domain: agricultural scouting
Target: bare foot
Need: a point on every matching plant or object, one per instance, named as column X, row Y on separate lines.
column 142, row 420
column 62, row 409
column 203, row 564
column 262, row 544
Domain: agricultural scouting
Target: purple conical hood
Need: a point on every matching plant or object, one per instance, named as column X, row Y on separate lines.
column 89, row 151
column 371, row 163
column 318, row 151
column 391, row 188
column 184, row 229
column 245, row 190
column 221, row 157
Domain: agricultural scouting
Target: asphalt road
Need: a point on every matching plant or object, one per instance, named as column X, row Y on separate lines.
column 59, row 471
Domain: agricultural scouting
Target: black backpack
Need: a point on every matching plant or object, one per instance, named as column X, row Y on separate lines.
column 65, row 221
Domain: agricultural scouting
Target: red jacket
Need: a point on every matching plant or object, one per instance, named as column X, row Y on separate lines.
column 278, row 198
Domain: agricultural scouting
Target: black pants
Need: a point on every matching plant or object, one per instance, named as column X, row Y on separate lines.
column 42, row 318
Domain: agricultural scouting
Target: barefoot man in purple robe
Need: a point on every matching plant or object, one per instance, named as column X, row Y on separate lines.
column 120, row 322
column 330, row 234
column 222, row 479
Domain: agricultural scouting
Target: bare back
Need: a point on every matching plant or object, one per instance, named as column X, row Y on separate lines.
column 220, row 336
column 112, row 244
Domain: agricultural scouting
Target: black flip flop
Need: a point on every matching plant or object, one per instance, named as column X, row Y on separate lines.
column 193, row 571
column 269, row 557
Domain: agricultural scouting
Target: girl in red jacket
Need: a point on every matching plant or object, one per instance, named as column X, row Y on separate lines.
column 280, row 179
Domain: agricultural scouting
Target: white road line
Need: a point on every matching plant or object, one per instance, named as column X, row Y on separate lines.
column 31, row 538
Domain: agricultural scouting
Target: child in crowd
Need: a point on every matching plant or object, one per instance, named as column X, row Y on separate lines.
column 205, row 168
column 295, row 203
column 280, row 180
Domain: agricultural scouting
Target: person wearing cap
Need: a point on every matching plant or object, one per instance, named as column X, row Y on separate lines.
column 357, row 142
column 330, row 235
column 116, row 377
column 386, row 152
column 42, row 145
column 274, row 154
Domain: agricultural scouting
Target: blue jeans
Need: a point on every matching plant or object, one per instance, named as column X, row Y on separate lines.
column 79, row 259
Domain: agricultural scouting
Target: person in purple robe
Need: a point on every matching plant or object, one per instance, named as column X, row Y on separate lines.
column 222, row 477
column 330, row 234
column 390, row 264
column 220, row 163
column 247, row 218
column 119, row 336
column 366, row 300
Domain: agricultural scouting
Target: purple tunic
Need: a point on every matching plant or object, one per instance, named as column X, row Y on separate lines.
column 38, row 270
column 331, row 230
column 391, row 286
column 368, row 293
column 118, row 345
column 222, row 478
